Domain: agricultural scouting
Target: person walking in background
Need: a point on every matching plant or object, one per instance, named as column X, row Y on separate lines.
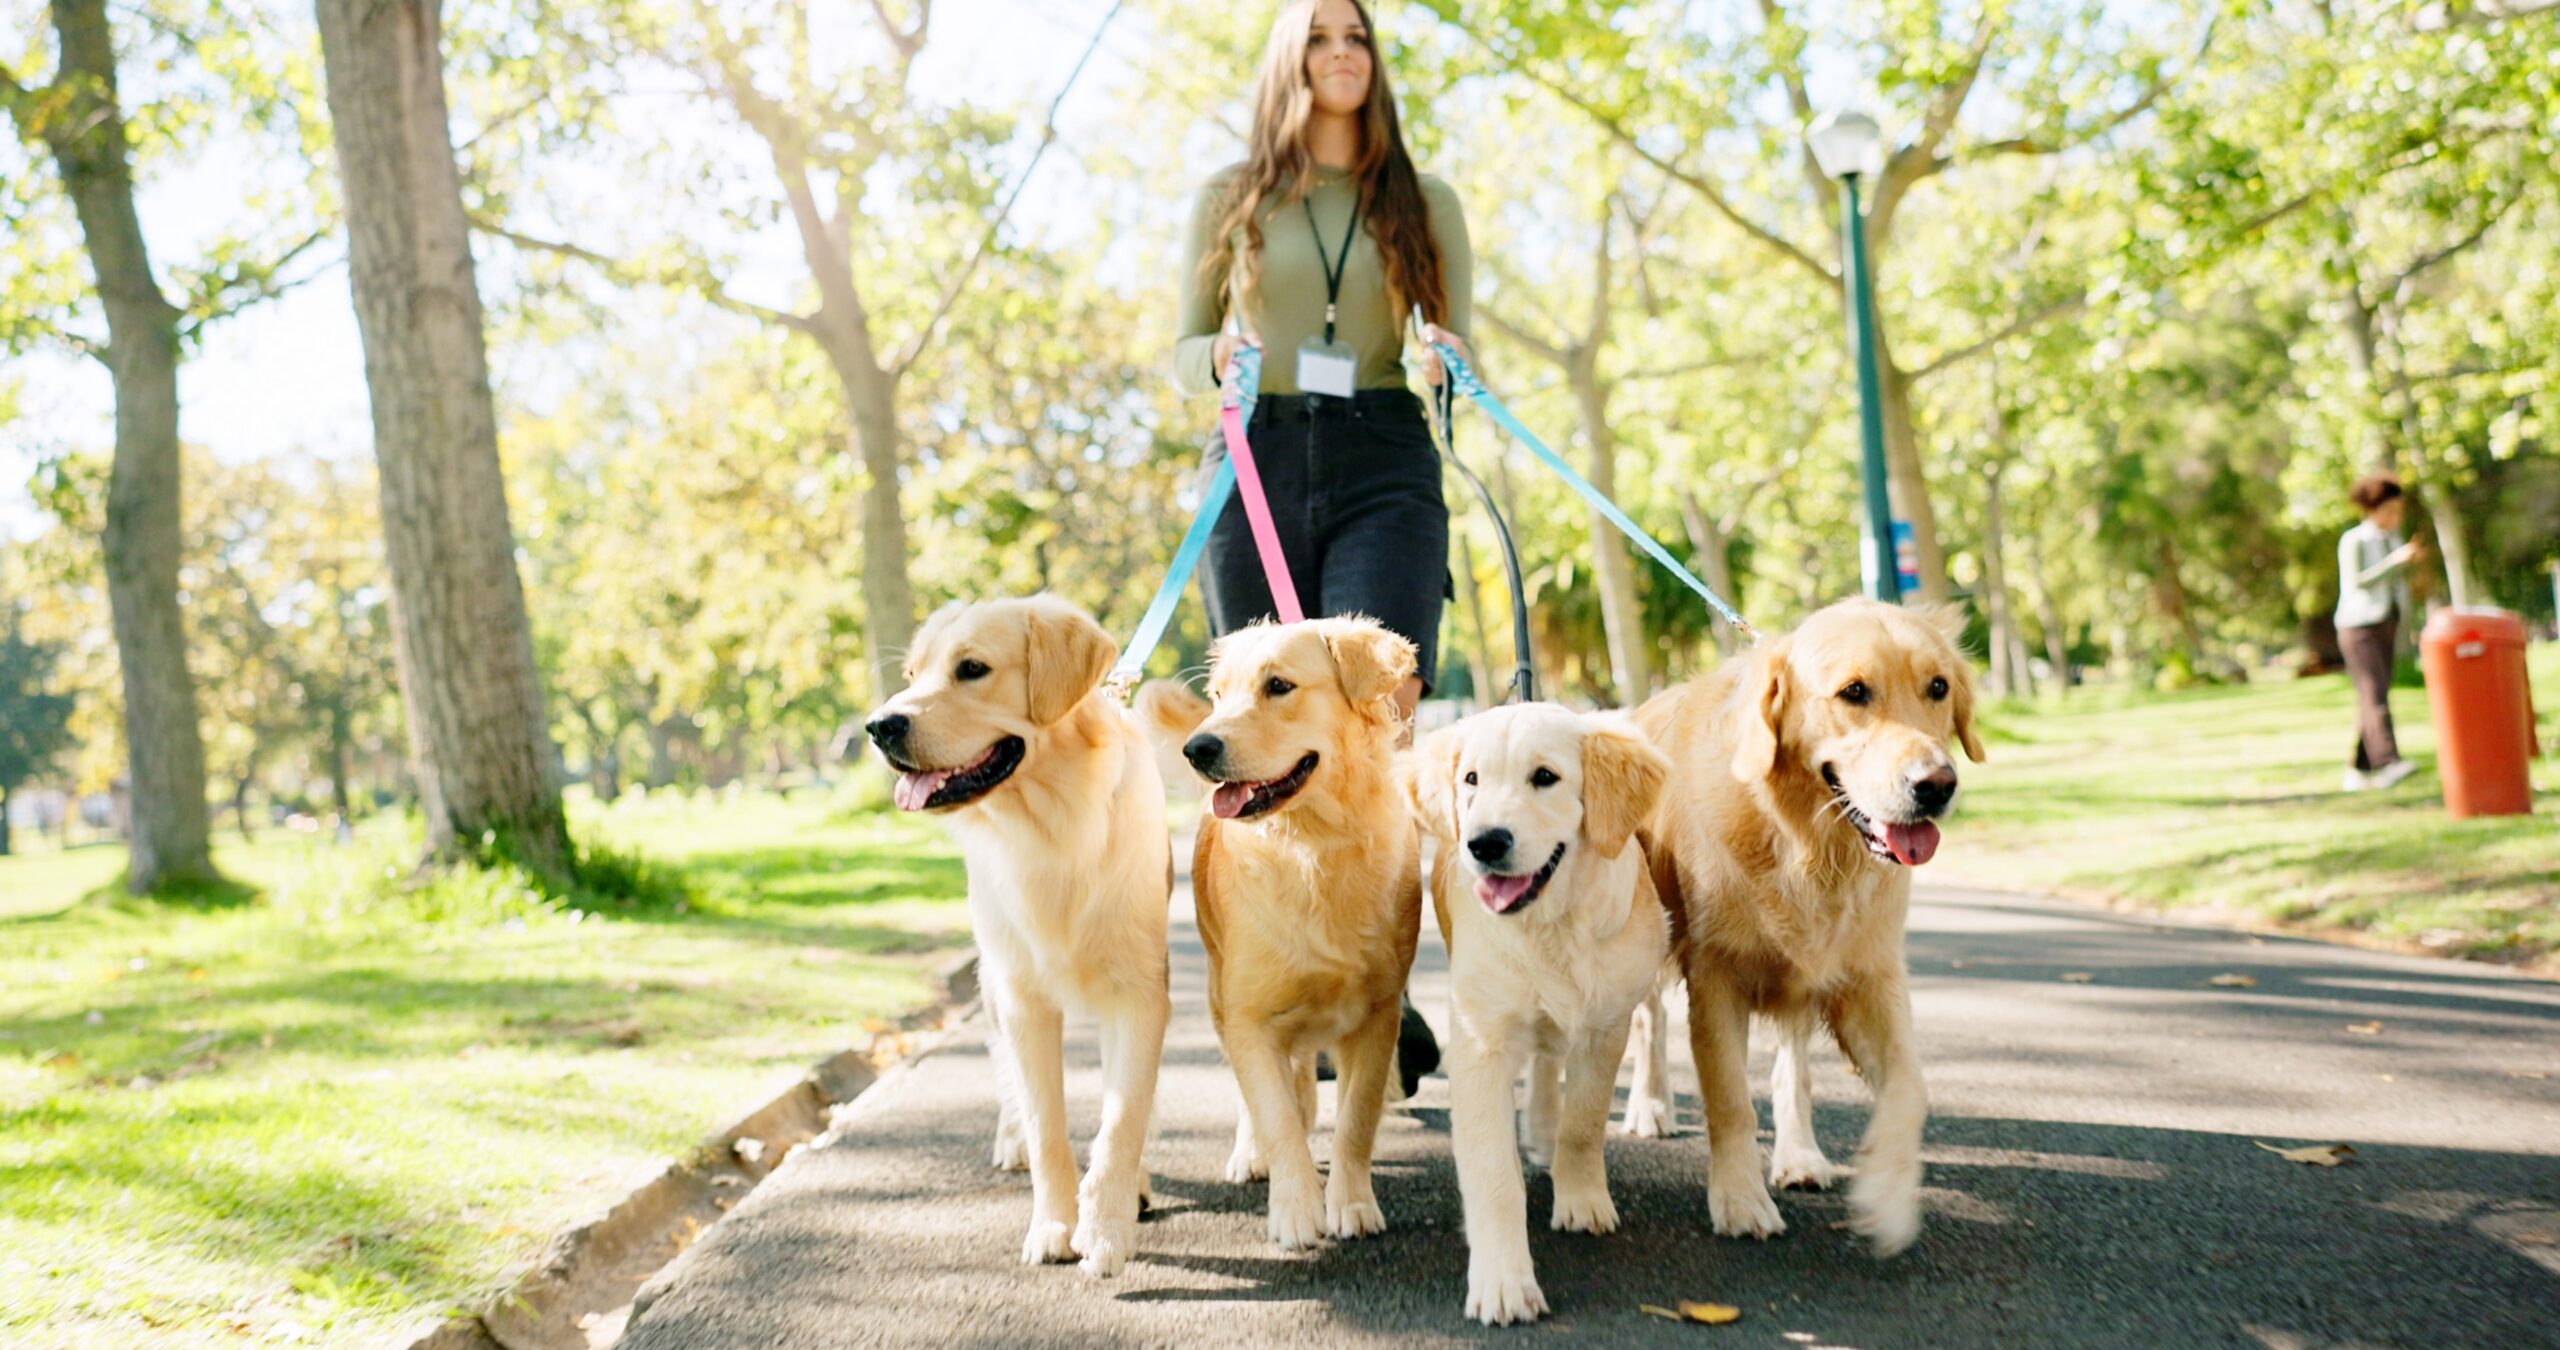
column 2373, row 596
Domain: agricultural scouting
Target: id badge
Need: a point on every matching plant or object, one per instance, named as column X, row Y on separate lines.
column 1327, row 368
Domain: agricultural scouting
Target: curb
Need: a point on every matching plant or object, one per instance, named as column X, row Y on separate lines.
column 577, row 1294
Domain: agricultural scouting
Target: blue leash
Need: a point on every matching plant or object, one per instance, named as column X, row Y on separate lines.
column 1463, row 379
column 1243, row 390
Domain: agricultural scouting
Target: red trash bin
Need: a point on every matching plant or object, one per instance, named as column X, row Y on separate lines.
column 2477, row 688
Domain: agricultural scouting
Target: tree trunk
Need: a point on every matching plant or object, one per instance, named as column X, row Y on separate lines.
column 1630, row 666
column 1480, row 661
column 240, row 807
column 4, row 820
column 339, row 760
column 2008, row 652
column 2057, row 643
column 164, row 742
column 1908, row 482
column 2453, row 542
column 2169, row 591
column 1707, row 547
column 464, row 646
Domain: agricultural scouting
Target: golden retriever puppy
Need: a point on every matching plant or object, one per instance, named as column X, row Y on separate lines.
column 1307, row 876
column 1052, row 792
column 1555, row 935
column 1807, row 781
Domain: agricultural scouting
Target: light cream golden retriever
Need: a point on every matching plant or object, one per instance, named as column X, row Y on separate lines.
column 1807, row 781
column 1053, row 794
column 1308, row 882
column 1555, row 935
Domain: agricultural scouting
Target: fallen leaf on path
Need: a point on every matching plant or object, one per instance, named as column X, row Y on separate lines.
column 2365, row 1029
column 1651, row 1310
column 2318, row 1155
column 2233, row 981
column 2077, row 977
column 1713, row 1314
column 2526, row 1073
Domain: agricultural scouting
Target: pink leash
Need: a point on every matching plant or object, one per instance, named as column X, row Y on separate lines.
column 1243, row 384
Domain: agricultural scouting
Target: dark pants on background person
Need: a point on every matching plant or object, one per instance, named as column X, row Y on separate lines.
column 1354, row 486
column 2369, row 651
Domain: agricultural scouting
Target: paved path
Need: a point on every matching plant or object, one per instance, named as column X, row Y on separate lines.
column 2093, row 1180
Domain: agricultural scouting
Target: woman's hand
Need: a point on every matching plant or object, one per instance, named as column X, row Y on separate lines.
column 1222, row 353
column 1432, row 333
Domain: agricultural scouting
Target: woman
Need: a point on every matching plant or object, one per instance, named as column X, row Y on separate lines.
column 2373, row 596
column 1314, row 249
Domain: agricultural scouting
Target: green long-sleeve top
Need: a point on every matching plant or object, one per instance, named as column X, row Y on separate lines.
column 1292, row 289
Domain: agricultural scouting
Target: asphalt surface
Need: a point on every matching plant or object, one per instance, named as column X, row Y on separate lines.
column 2094, row 1179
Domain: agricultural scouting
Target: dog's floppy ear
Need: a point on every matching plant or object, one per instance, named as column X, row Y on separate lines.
column 1369, row 660
column 1961, row 697
column 1434, row 782
column 1755, row 743
column 1067, row 654
column 1622, row 780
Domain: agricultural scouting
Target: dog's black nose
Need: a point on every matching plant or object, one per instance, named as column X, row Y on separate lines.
column 1931, row 794
column 887, row 730
column 1491, row 846
column 1204, row 751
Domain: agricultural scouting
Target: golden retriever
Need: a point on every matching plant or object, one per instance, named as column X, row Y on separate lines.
column 1307, row 876
column 1555, row 935
column 1807, row 781
column 1053, row 794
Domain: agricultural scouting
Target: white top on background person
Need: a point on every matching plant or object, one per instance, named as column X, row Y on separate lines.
column 2373, row 562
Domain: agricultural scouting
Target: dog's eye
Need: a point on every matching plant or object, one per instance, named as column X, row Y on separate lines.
column 1938, row 688
column 972, row 669
column 1544, row 777
column 1471, row 778
column 1854, row 694
column 1275, row 687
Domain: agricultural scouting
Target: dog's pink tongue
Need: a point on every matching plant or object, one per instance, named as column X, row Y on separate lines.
column 915, row 789
column 1499, row 894
column 1912, row 844
column 1229, row 799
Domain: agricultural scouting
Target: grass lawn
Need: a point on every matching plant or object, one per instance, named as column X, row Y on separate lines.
column 2226, row 801
column 339, row 1109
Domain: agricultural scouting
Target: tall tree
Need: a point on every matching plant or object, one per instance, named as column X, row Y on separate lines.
column 80, row 119
column 464, row 645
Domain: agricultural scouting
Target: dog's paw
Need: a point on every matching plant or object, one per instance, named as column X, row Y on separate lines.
column 1884, row 1204
column 1502, row 1292
column 1537, row 1155
column 1584, row 1210
column 1245, row 1164
column 1049, row 1240
column 1353, row 1216
column 1742, row 1208
column 1807, row 1169
column 1647, row 1118
column 1105, row 1246
column 1012, row 1151
column 1297, row 1216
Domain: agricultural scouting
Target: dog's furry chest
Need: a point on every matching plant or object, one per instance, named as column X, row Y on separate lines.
column 1569, row 978
column 1795, row 939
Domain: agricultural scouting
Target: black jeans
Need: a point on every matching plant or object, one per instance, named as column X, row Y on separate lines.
column 1354, row 486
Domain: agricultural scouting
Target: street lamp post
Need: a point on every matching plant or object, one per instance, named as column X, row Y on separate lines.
column 1849, row 146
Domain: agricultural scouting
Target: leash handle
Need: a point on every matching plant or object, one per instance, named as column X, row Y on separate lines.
column 1456, row 373
column 1244, row 383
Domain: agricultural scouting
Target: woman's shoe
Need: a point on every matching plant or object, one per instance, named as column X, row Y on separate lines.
column 2357, row 780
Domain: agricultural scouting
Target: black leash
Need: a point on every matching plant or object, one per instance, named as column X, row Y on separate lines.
column 1524, row 677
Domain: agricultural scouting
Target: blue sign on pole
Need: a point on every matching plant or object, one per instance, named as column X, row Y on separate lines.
column 1906, row 557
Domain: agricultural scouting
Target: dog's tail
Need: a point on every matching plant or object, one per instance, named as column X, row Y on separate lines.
column 1170, row 711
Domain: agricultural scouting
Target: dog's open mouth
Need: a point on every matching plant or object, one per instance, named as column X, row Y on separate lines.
column 942, row 789
column 1244, row 801
column 1905, row 845
column 1512, row 894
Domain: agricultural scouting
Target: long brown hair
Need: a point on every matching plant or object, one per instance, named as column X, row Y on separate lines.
column 1278, row 165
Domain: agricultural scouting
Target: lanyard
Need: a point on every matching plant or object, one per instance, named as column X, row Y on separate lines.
column 1333, row 271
